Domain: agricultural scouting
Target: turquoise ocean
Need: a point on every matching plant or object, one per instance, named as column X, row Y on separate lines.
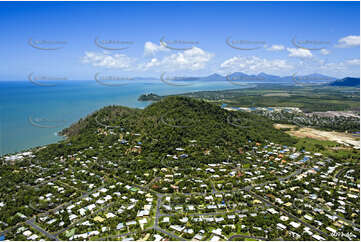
column 31, row 115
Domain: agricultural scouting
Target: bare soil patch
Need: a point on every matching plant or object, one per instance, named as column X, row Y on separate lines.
column 277, row 94
column 339, row 137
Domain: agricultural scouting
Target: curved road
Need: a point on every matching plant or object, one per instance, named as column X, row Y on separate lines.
column 245, row 236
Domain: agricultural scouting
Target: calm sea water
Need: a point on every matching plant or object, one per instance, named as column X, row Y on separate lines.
column 31, row 115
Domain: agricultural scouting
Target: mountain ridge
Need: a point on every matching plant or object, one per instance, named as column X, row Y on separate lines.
column 260, row 77
column 347, row 82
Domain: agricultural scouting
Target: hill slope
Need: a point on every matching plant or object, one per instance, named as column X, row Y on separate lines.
column 173, row 122
column 346, row 82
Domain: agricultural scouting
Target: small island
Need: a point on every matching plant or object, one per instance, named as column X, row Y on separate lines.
column 149, row 97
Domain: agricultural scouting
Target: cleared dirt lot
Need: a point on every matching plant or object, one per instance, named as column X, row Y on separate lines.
column 339, row 137
column 277, row 94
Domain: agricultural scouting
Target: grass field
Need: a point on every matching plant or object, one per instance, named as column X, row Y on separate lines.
column 309, row 98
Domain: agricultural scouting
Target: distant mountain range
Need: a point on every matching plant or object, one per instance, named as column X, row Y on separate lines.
column 239, row 77
column 347, row 82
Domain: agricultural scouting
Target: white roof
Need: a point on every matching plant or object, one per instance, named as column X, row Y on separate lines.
column 281, row 226
column 90, row 207
column 184, row 220
column 131, row 223
column 295, row 225
column 71, row 207
column 143, row 221
column 33, row 237
column 317, row 237
column 215, row 238
column 27, row 233
column 331, row 229
column 110, row 215
column 177, row 227
column 157, row 237
column 217, row 231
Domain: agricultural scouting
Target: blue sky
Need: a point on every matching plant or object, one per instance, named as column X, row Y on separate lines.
column 200, row 38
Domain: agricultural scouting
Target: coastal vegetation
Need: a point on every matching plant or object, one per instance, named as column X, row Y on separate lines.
column 182, row 168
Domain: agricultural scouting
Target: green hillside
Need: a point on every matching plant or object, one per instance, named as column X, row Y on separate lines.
column 168, row 124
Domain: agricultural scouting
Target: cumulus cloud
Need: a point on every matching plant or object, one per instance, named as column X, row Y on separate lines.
column 353, row 62
column 348, row 41
column 298, row 52
column 276, row 48
column 192, row 59
column 255, row 64
column 107, row 60
column 342, row 68
column 325, row 52
column 152, row 63
column 151, row 48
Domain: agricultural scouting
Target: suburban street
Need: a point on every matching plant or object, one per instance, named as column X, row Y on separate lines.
column 32, row 224
column 158, row 214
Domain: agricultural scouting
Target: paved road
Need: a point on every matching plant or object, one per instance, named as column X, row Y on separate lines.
column 156, row 223
column 213, row 188
column 169, row 234
column 157, row 214
column 334, row 214
column 147, row 189
column 86, row 194
column 199, row 214
column 245, row 236
column 328, row 211
column 156, row 179
column 82, row 219
column 247, row 188
column 32, row 224
column 107, row 126
column 123, row 235
column 194, row 193
column 341, row 171
column 295, row 173
column 72, row 187
column 290, row 215
column 159, row 202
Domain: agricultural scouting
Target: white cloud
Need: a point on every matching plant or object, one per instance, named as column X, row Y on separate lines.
column 298, row 52
column 192, row 59
column 325, row 52
column 151, row 49
column 348, row 41
column 255, row 65
column 152, row 63
column 353, row 62
column 342, row 68
column 105, row 59
column 276, row 48
column 336, row 67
